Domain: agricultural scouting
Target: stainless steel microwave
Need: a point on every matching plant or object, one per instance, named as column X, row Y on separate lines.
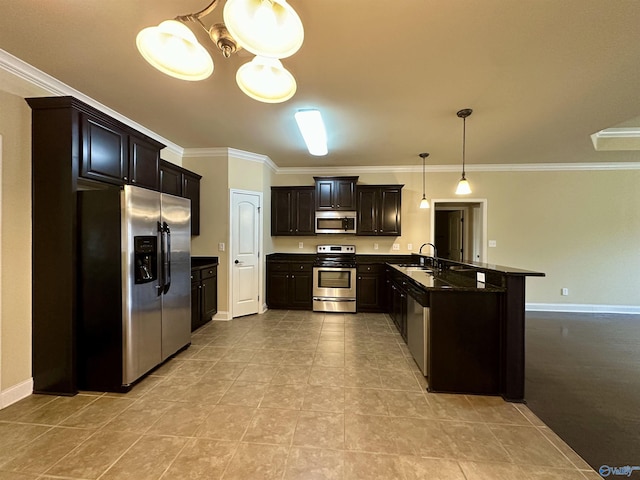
column 336, row 222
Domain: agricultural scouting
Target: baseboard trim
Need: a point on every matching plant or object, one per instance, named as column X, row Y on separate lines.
column 222, row 316
column 582, row 308
column 15, row 393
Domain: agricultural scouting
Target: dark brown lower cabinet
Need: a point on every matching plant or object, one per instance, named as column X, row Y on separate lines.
column 204, row 295
column 371, row 287
column 289, row 285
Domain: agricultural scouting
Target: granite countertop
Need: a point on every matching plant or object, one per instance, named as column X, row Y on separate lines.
column 442, row 281
column 487, row 267
column 200, row 262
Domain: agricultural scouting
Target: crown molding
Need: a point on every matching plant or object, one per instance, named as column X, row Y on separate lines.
column 525, row 167
column 55, row 87
column 227, row 152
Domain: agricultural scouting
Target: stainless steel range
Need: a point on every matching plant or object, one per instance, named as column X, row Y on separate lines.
column 334, row 279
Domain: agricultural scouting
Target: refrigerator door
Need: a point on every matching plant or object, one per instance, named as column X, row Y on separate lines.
column 142, row 303
column 176, row 272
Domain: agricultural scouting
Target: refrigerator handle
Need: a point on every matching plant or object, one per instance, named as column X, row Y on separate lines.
column 160, row 286
column 166, row 257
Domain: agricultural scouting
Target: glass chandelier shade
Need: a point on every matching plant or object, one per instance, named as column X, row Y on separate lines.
column 172, row 48
column 268, row 28
column 266, row 80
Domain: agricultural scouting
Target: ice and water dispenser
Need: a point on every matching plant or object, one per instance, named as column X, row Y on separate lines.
column 145, row 258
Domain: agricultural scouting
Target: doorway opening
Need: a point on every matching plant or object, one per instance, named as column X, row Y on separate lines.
column 459, row 229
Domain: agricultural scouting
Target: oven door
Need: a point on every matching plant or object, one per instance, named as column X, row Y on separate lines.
column 334, row 282
column 334, row 289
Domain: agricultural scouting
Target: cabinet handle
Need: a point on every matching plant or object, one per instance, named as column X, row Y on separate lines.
column 124, row 178
column 293, row 276
column 359, row 278
column 301, row 267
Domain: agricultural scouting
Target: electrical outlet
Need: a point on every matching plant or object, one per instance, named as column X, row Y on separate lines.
column 493, row 243
column 396, row 246
column 375, row 246
column 300, row 244
column 480, row 277
column 565, row 291
column 221, row 247
column 409, row 246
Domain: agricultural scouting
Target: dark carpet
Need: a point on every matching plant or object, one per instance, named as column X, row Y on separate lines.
column 583, row 381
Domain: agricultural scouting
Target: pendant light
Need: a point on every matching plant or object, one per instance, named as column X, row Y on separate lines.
column 424, row 203
column 463, row 185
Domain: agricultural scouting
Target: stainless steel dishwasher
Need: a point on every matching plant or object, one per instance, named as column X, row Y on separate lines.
column 418, row 326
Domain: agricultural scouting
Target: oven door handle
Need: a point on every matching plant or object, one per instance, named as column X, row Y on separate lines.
column 333, row 299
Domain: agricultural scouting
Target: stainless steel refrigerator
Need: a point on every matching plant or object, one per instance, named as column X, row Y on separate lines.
column 135, row 289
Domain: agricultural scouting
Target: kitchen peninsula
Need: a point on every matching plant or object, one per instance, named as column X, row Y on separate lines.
column 474, row 332
column 474, row 326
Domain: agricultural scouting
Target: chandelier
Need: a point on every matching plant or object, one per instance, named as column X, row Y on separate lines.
column 269, row 29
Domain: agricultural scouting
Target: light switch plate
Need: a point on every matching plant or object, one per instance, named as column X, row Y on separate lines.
column 396, row 246
column 375, row 246
column 493, row 243
column 300, row 245
column 221, row 247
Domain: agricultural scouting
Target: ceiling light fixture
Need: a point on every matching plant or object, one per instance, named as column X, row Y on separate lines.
column 270, row 29
column 463, row 185
column 424, row 203
column 313, row 132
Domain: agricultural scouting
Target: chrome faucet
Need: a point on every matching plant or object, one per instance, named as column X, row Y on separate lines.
column 435, row 253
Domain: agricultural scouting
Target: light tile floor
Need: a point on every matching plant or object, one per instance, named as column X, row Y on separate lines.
column 285, row 395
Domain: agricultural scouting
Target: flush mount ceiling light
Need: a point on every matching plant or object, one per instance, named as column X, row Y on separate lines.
column 270, row 29
column 463, row 185
column 424, row 203
column 313, row 132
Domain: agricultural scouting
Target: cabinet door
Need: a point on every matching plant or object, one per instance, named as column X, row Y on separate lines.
column 196, row 311
column 371, row 289
column 144, row 163
column 304, row 212
column 277, row 285
column 345, row 195
column 170, row 180
column 325, row 194
column 300, row 289
column 191, row 190
column 209, row 297
column 389, row 200
column 281, row 216
column 104, row 152
column 367, row 211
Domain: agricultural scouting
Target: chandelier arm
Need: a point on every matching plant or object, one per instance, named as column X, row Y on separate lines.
column 202, row 13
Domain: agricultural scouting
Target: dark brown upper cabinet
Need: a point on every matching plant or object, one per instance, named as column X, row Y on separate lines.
column 292, row 211
column 144, row 163
column 104, row 151
column 179, row 181
column 336, row 193
column 379, row 208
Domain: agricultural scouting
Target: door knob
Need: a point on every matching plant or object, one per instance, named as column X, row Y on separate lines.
column 237, row 261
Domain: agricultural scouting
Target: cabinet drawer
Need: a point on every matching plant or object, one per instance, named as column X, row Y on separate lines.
column 208, row 272
column 371, row 268
column 278, row 267
column 301, row 267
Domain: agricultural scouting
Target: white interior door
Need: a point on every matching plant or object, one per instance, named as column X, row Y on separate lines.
column 245, row 252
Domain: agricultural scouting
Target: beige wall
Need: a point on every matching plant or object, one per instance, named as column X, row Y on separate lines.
column 15, row 320
column 214, row 216
column 581, row 228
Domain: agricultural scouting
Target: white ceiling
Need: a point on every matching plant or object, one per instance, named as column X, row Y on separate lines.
column 541, row 76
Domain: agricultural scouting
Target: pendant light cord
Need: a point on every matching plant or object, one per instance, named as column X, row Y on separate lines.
column 464, row 141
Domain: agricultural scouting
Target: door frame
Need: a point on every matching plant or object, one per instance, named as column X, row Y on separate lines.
column 483, row 214
column 230, row 269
